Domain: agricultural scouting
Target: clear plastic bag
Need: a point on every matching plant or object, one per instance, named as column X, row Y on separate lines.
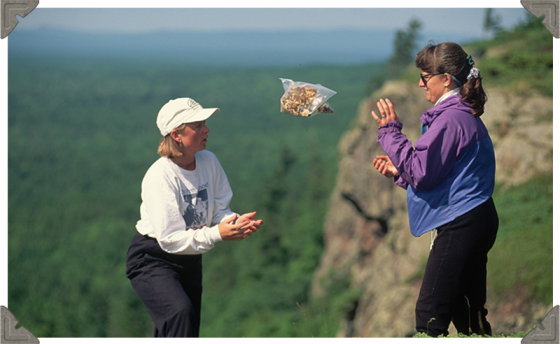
column 303, row 99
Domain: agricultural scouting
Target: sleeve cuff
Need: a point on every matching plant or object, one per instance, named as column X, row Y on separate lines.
column 399, row 181
column 214, row 233
column 390, row 127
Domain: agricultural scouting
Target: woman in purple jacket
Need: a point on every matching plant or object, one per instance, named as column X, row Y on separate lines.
column 449, row 178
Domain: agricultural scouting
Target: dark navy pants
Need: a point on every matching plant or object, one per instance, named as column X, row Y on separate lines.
column 169, row 285
column 454, row 284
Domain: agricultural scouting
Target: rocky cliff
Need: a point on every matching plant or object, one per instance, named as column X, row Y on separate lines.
column 367, row 238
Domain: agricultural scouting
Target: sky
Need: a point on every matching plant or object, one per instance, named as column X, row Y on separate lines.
column 147, row 16
column 141, row 20
column 326, row 27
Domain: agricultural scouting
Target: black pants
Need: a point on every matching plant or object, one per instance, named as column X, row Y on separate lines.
column 169, row 285
column 454, row 284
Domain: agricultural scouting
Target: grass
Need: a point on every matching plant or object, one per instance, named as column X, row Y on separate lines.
column 522, row 255
column 519, row 334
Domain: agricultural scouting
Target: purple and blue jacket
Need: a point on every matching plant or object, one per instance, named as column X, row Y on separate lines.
column 450, row 169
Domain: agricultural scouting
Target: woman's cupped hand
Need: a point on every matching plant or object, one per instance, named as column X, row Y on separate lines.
column 239, row 227
column 383, row 164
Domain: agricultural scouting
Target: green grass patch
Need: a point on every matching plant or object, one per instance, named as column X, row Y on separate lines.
column 522, row 255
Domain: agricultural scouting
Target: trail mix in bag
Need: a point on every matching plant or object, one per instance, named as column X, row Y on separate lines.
column 303, row 99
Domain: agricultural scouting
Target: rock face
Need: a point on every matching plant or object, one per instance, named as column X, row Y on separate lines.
column 367, row 237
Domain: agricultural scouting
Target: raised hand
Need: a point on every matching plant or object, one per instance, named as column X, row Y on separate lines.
column 386, row 112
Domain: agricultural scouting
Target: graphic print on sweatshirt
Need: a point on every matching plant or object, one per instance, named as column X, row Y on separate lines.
column 196, row 213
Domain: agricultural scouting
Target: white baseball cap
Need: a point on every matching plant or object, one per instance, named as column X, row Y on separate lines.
column 179, row 111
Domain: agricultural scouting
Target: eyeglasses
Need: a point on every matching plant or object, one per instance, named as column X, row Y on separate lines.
column 423, row 77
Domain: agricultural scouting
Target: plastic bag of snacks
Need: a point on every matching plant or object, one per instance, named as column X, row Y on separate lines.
column 303, row 99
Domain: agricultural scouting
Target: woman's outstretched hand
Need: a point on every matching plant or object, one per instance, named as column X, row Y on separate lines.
column 386, row 112
column 383, row 164
column 238, row 228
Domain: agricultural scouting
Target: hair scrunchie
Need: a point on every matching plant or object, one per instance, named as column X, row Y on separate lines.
column 474, row 74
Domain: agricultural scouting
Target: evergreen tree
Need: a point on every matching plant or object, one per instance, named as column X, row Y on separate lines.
column 404, row 46
column 491, row 22
column 274, row 205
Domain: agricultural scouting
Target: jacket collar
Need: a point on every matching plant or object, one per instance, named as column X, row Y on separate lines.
column 454, row 101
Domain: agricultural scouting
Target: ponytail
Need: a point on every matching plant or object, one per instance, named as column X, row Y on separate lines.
column 472, row 91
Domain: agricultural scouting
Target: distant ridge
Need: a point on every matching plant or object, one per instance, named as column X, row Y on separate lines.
column 215, row 48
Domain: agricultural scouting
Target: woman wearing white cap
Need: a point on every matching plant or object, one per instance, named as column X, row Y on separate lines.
column 184, row 212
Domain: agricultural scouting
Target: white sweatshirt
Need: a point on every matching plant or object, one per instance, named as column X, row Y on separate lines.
column 181, row 208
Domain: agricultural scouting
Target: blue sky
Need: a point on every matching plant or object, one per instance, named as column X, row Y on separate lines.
column 141, row 20
column 438, row 23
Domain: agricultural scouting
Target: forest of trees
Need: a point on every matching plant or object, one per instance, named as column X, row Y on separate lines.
column 81, row 136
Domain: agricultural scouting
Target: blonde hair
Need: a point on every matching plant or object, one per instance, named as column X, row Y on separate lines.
column 170, row 148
